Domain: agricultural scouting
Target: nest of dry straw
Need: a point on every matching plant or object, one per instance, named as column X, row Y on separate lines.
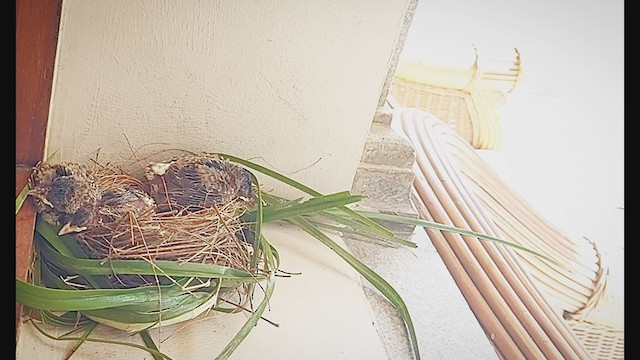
column 215, row 235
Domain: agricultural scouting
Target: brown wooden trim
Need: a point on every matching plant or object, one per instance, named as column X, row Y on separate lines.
column 25, row 221
column 37, row 24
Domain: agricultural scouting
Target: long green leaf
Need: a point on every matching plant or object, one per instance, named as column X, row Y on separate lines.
column 295, row 184
column 258, row 219
column 39, row 297
column 70, row 318
column 250, row 324
column 148, row 312
column 22, row 197
column 148, row 340
column 378, row 282
column 88, row 339
column 308, row 207
column 320, row 218
column 354, row 227
column 67, row 246
column 88, row 330
column 140, row 313
column 432, row 225
column 64, row 244
column 195, row 305
column 142, row 267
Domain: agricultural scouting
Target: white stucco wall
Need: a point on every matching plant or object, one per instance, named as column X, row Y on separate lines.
column 294, row 83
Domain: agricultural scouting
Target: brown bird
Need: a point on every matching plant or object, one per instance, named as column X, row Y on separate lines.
column 64, row 194
column 120, row 201
column 70, row 194
column 194, row 182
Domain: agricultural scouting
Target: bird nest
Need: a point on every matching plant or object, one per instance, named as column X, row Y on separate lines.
column 164, row 227
column 215, row 235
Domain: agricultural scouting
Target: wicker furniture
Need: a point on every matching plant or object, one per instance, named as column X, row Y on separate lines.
column 467, row 99
column 529, row 307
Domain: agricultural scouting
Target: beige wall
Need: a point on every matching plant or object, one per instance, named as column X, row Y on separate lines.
column 293, row 82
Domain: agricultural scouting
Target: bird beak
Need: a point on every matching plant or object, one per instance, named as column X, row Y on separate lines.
column 161, row 168
column 68, row 228
column 40, row 197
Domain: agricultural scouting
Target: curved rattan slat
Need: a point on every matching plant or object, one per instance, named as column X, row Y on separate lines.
column 522, row 224
column 518, row 298
column 501, row 290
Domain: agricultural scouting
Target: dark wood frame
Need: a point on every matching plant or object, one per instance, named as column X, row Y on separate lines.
column 37, row 25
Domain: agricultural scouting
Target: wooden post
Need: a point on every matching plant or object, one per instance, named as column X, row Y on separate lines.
column 37, row 24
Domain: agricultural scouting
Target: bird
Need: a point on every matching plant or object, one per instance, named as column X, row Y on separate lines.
column 123, row 200
column 72, row 195
column 191, row 182
column 64, row 193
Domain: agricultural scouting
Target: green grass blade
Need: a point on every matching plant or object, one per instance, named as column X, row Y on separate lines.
column 270, row 255
column 64, row 244
column 308, row 207
column 307, row 190
column 70, row 318
column 89, row 329
column 104, row 341
column 354, row 227
column 378, row 282
column 142, row 267
column 432, row 225
column 258, row 220
column 251, row 322
column 270, row 173
column 148, row 340
column 136, row 321
column 39, row 297
column 137, row 314
column 22, row 197
column 51, row 157
column 171, row 306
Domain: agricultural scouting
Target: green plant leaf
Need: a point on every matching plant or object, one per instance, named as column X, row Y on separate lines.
column 432, row 225
column 352, row 223
column 258, row 220
column 88, row 330
column 354, row 227
column 250, row 324
column 39, row 297
column 378, row 282
column 65, row 244
column 142, row 267
column 148, row 340
column 308, row 207
column 113, row 342
column 280, row 177
column 22, row 197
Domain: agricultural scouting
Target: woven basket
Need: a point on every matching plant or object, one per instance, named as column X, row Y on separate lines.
column 468, row 99
column 449, row 105
column 603, row 342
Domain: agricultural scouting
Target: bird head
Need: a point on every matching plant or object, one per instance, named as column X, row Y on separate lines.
column 77, row 221
column 70, row 193
column 40, row 195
